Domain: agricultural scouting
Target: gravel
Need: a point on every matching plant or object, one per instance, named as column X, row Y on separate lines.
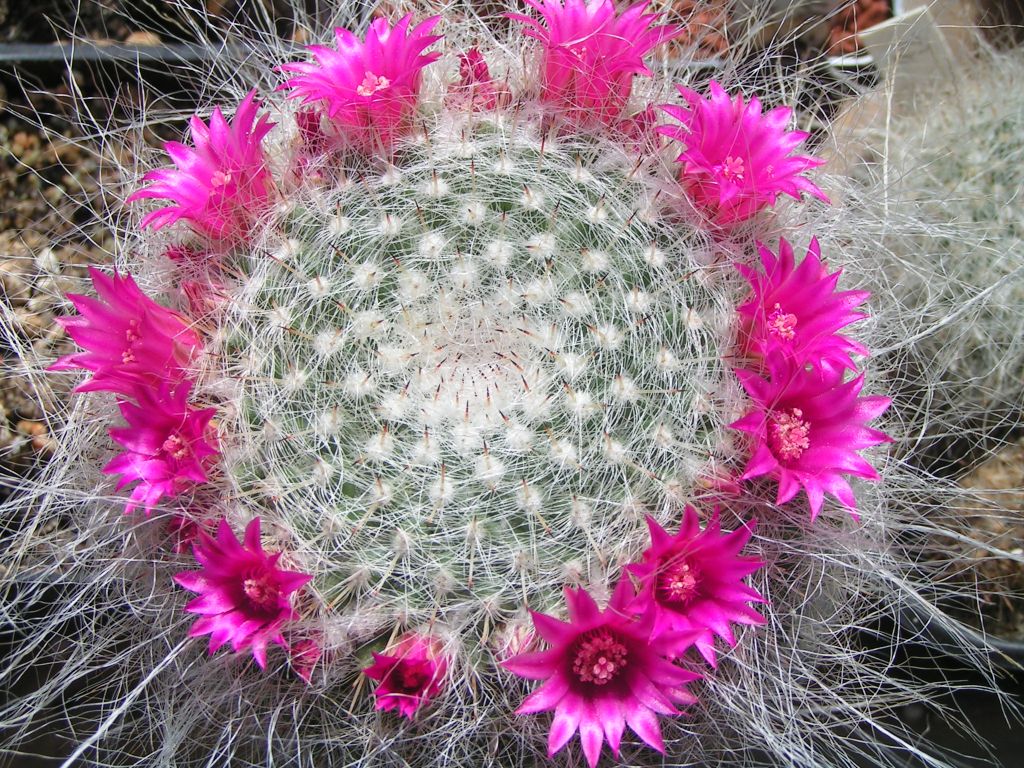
column 47, row 236
column 999, row 482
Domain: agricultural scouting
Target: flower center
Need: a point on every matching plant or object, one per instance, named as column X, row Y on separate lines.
column 579, row 51
column 371, row 84
column 787, row 434
column 732, row 168
column 782, row 324
column 131, row 335
column 175, row 447
column 678, row 583
column 600, row 658
column 261, row 592
column 220, row 179
column 410, row 678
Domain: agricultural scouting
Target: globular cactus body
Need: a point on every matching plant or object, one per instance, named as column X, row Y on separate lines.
column 463, row 350
column 469, row 368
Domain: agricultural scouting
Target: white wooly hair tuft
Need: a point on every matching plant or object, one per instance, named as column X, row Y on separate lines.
column 953, row 164
column 96, row 627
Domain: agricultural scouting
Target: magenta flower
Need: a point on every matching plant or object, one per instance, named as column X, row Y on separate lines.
column 513, row 639
column 694, row 581
column 736, row 161
column 205, row 297
column 311, row 131
column 188, row 256
column 168, row 444
column 303, row 656
column 313, row 143
column 370, row 89
column 243, row 595
column 640, row 130
column 220, row 187
column 807, row 426
column 476, row 90
column 410, row 675
column 591, row 54
column 795, row 310
column 183, row 530
column 602, row 672
column 129, row 339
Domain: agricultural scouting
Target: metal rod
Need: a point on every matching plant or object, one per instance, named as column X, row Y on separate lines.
column 82, row 51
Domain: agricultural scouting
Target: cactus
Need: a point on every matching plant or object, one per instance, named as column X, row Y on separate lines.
column 476, row 362
column 952, row 168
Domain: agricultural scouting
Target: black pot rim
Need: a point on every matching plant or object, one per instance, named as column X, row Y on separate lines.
column 951, row 636
column 84, row 51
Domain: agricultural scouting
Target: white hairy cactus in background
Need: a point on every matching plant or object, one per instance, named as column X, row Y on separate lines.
column 451, row 375
column 953, row 166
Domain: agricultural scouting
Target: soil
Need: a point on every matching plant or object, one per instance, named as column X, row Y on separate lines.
column 852, row 18
column 135, row 21
column 47, row 234
column 829, row 26
column 994, row 515
column 704, row 23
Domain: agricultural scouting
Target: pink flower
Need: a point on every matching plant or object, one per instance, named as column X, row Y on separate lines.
column 736, row 161
column 410, row 675
column 311, row 132
column 720, row 481
column 313, row 143
column 476, row 90
column 222, row 185
column 602, row 672
column 514, row 638
column 205, row 297
column 807, row 426
column 591, row 54
column 640, row 130
column 370, row 89
column 187, row 255
column 129, row 339
column 183, row 530
column 694, row 581
column 304, row 656
column 795, row 311
column 243, row 595
column 167, row 442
